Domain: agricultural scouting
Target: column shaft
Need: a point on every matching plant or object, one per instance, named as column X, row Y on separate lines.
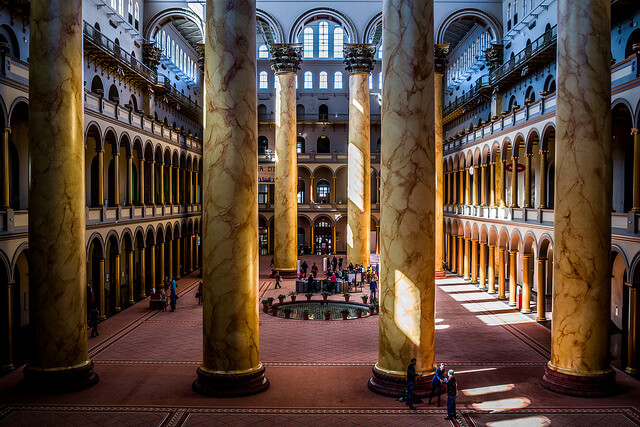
column 129, row 180
column 152, row 267
column 483, row 184
column 231, row 364
column 543, row 179
column 632, row 330
column 454, row 258
column 513, row 276
column 143, row 275
column 101, row 290
column 408, row 197
column 526, row 284
column 461, row 194
column 476, row 178
column 100, row 154
column 583, row 183
column 467, row 259
column 503, row 182
column 469, row 186
column 116, row 179
column 6, row 363
column 161, row 183
column 527, row 181
column 359, row 170
column 474, row 261
column 460, row 256
column 130, row 275
column 285, row 210
column 483, row 266
column 170, row 183
column 492, row 184
column 57, row 271
column 501, row 274
column 141, row 180
column 116, row 280
column 514, row 180
column 439, row 174
column 491, row 273
column 542, row 278
column 152, row 182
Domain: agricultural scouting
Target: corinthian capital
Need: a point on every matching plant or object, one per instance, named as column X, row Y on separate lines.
column 359, row 57
column 440, row 52
column 285, row 57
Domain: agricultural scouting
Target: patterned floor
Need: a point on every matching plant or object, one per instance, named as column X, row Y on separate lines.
column 318, row 372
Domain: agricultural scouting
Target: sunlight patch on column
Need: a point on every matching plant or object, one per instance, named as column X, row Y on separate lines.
column 358, row 106
column 355, row 184
column 407, row 307
column 349, row 236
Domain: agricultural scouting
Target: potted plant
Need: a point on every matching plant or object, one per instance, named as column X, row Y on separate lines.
column 287, row 312
column 270, row 301
column 345, row 313
column 265, row 305
column 359, row 312
column 372, row 309
column 376, row 306
column 364, row 299
column 308, row 295
column 325, row 294
column 346, row 296
column 274, row 310
column 281, row 298
column 293, row 296
column 327, row 315
column 305, row 314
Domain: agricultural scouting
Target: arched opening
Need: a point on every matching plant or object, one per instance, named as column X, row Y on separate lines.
column 133, row 102
column 634, row 38
column 301, row 191
column 550, row 84
column 324, row 144
column 323, row 113
column 300, row 112
column 530, row 95
column 622, row 158
column 96, row 85
column 9, row 37
column 323, row 236
column 300, row 144
column 21, row 310
column 262, row 112
column 19, row 157
column 618, row 311
column 323, row 191
column 263, row 144
column 114, row 96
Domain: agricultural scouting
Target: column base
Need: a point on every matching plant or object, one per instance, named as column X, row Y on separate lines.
column 541, row 319
column 632, row 371
column 394, row 386
column 525, row 311
column 285, row 273
column 576, row 385
column 440, row 274
column 60, row 380
column 230, row 385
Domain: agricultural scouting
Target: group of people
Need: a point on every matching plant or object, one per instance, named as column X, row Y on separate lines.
column 335, row 273
column 439, row 378
column 170, row 289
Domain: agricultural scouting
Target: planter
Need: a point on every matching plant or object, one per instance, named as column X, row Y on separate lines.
column 324, row 297
column 327, row 316
column 358, row 314
column 281, row 300
column 346, row 297
column 308, row 298
column 372, row 310
column 270, row 302
column 344, row 316
column 364, row 299
column 274, row 311
column 305, row 316
column 287, row 315
column 293, row 298
column 265, row 308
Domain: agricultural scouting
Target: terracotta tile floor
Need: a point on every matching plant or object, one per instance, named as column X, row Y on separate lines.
column 318, row 371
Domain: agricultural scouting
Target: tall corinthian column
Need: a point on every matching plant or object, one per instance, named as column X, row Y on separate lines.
column 579, row 362
column 59, row 361
column 408, row 197
column 359, row 60
column 285, row 61
column 231, row 364
column 440, row 65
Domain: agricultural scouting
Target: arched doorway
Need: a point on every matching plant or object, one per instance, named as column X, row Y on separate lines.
column 21, row 331
column 323, row 236
column 323, row 113
column 300, row 145
column 324, row 144
column 263, row 144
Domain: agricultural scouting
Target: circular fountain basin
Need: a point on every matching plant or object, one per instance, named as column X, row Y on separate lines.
column 317, row 309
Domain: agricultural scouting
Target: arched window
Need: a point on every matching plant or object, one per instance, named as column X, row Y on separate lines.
column 338, row 42
column 307, row 44
column 263, row 144
column 136, row 16
column 300, row 189
column 264, row 80
column 530, row 94
column 337, row 80
column 323, row 190
column 121, row 7
column 96, row 85
column 308, row 80
column 114, row 96
column 323, row 144
column 323, row 40
column 323, row 80
column 380, row 80
column 130, row 11
column 323, row 113
column 300, row 144
column 263, row 51
column 515, row 12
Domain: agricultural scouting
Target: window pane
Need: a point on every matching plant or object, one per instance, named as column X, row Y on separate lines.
column 337, row 80
column 370, row 82
column 323, row 40
column 323, row 80
column 308, row 43
column 308, row 80
column 380, row 80
column 338, row 42
column 263, row 52
column 264, row 80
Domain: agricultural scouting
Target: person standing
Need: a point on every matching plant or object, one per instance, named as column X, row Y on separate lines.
column 373, row 287
column 436, row 383
column 200, row 292
column 314, row 270
column 173, row 299
column 304, row 266
column 95, row 318
column 174, row 285
column 340, row 264
column 334, row 263
column 452, row 394
column 411, row 382
column 278, row 280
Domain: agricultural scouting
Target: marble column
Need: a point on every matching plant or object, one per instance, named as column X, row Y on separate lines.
column 492, row 184
column 143, row 276
column 526, row 283
column 100, row 154
column 483, row 184
column 440, row 65
column 513, row 276
column 285, row 62
column 333, row 186
column 579, row 362
column 152, row 266
column 467, row 259
column 541, row 296
column 474, row 261
column 483, row 266
column 543, row 179
column 57, row 272
column 311, row 192
column 116, row 281
column 160, row 279
column 6, row 361
column 130, row 275
column 527, row 180
column 454, row 258
column 514, row 179
column 491, row 273
column 407, row 291
column 460, row 256
column 359, row 63
column 632, row 330
column 636, row 170
column 501, row 273
column 231, row 363
column 5, row 168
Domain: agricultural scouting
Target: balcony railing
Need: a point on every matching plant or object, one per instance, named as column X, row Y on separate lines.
column 475, row 91
column 192, row 106
column 117, row 54
column 317, row 118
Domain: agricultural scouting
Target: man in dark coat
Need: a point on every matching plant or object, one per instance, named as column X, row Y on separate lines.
column 411, row 382
column 452, row 395
column 436, row 383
